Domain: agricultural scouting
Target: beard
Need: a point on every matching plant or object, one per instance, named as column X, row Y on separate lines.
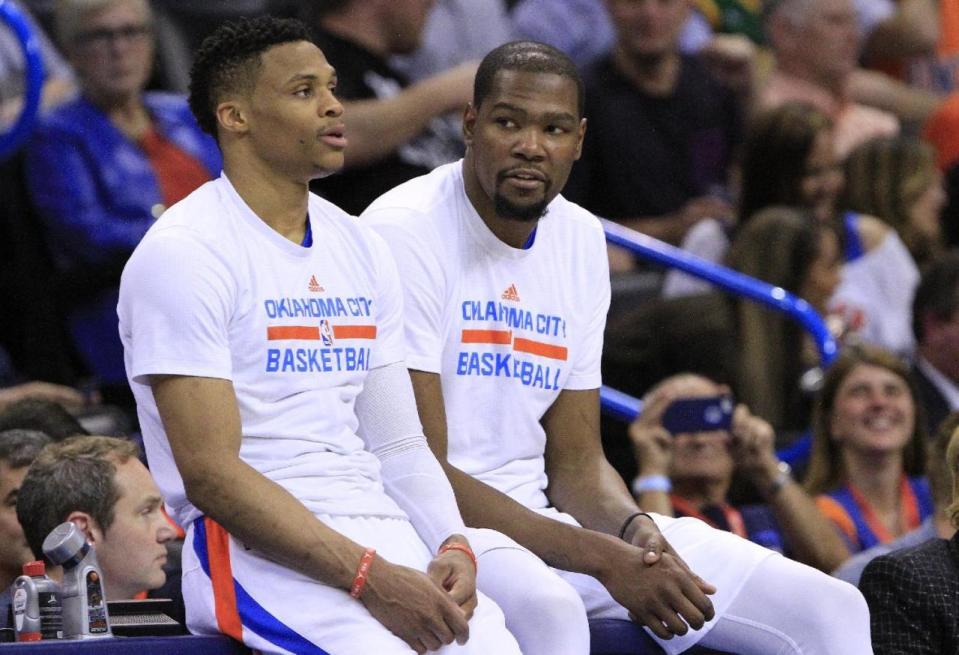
column 526, row 213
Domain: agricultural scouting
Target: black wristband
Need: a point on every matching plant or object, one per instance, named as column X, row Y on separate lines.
column 629, row 519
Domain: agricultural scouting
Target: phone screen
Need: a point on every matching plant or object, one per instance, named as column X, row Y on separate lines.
column 706, row 414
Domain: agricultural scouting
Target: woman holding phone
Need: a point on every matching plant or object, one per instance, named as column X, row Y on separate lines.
column 867, row 463
column 690, row 442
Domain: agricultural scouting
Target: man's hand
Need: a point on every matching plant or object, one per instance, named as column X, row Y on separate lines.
column 753, row 447
column 454, row 572
column 664, row 595
column 411, row 606
column 652, row 444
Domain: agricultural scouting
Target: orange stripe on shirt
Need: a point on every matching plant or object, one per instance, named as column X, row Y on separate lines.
column 221, row 575
column 540, row 348
column 354, row 331
column 502, row 337
column 835, row 512
column 306, row 332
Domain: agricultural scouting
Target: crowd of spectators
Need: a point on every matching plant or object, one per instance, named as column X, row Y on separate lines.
column 806, row 143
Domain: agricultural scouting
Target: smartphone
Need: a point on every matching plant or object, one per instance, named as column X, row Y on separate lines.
column 706, row 414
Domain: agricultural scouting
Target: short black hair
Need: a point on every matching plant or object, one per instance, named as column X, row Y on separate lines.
column 228, row 58
column 937, row 293
column 42, row 415
column 18, row 448
column 527, row 57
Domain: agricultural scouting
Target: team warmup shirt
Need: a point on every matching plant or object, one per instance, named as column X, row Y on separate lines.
column 213, row 291
column 507, row 329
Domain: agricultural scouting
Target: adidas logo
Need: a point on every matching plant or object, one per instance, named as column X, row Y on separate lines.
column 511, row 294
column 314, row 286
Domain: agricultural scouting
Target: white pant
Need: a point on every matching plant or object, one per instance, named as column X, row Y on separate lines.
column 230, row 589
column 765, row 604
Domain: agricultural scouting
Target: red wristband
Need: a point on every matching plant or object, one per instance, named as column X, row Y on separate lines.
column 461, row 547
column 362, row 571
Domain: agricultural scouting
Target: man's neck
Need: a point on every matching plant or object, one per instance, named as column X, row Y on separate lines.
column 510, row 231
column 279, row 201
column 655, row 75
column 128, row 114
column 358, row 23
column 793, row 67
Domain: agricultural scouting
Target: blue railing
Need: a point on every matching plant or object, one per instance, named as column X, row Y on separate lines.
column 11, row 139
column 624, row 406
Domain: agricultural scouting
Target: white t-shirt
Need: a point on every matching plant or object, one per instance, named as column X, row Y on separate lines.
column 875, row 295
column 212, row 291
column 507, row 329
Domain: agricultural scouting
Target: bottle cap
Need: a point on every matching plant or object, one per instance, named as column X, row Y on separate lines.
column 34, row 568
column 64, row 544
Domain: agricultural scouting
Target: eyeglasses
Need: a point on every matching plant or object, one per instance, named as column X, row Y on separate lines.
column 101, row 38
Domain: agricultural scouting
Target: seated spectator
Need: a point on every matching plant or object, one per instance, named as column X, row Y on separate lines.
column 390, row 123
column 913, row 594
column 102, row 168
column 937, row 525
column 896, row 179
column 100, row 485
column 789, row 158
column 18, row 448
column 698, row 469
column 43, row 415
column 868, row 453
column 935, row 315
column 820, row 75
column 761, row 353
column 668, row 169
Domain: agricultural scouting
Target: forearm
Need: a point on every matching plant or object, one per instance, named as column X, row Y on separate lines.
column 811, row 536
column 560, row 545
column 879, row 90
column 593, row 492
column 375, row 128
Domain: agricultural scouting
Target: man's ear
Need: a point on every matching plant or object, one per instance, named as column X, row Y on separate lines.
column 582, row 135
column 87, row 525
column 469, row 123
column 231, row 115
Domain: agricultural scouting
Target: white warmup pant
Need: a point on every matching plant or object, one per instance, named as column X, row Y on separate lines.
column 765, row 604
column 230, row 589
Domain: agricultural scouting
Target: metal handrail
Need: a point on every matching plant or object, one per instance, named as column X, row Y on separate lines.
column 34, row 74
column 627, row 408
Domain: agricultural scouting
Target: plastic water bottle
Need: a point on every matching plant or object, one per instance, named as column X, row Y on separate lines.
column 37, row 605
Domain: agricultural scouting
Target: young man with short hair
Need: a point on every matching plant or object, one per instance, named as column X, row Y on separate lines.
column 262, row 329
column 100, row 485
column 507, row 290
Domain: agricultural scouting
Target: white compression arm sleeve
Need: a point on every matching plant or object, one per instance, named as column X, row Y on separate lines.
column 390, row 426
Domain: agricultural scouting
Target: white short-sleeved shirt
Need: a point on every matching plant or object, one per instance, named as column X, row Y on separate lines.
column 507, row 329
column 875, row 295
column 212, row 291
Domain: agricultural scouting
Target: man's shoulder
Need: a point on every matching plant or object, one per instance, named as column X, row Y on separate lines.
column 419, row 201
column 576, row 218
column 933, row 554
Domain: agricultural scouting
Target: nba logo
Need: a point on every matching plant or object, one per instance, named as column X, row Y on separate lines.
column 326, row 332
